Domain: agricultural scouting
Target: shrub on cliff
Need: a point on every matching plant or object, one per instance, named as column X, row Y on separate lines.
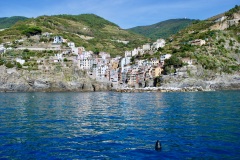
column 173, row 61
column 171, row 64
column 232, row 11
column 31, row 31
column 1, row 62
column 18, row 65
column 9, row 65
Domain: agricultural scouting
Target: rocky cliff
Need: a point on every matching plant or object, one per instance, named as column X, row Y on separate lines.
column 196, row 76
column 13, row 80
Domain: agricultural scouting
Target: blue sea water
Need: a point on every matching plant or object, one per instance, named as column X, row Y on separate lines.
column 111, row 125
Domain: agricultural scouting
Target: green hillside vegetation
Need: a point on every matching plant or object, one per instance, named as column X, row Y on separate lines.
column 7, row 22
column 220, row 53
column 87, row 30
column 232, row 11
column 163, row 29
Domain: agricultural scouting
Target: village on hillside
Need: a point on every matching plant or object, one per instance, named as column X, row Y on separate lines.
column 122, row 72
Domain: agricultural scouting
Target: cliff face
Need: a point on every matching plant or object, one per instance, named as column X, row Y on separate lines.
column 12, row 80
column 196, row 76
column 225, row 22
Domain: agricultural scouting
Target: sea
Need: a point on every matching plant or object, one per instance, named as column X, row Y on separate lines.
column 112, row 125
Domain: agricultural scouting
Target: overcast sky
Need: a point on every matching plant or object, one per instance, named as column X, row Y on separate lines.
column 125, row 13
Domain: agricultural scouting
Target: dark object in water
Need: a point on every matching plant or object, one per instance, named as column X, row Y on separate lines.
column 158, row 146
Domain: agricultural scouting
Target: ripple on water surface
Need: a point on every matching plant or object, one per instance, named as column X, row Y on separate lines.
column 109, row 125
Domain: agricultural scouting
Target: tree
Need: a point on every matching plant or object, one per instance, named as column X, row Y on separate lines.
column 173, row 61
column 132, row 59
column 65, row 59
column 171, row 64
column 1, row 62
column 31, row 31
column 18, row 65
column 9, row 65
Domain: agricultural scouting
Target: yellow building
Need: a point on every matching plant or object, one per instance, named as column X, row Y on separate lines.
column 115, row 65
column 158, row 71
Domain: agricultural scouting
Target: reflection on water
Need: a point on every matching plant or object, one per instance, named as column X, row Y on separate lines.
column 109, row 125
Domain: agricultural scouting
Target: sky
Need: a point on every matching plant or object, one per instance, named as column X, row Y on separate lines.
column 124, row 13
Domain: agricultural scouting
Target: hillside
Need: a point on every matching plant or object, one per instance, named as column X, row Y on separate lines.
column 7, row 22
column 87, row 30
column 204, row 55
column 213, row 43
column 162, row 29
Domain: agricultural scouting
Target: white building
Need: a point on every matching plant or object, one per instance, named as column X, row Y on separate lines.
column 146, row 47
column 221, row 19
column 2, row 49
column 101, row 71
column 154, row 62
column 165, row 56
column 71, row 44
column 57, row 40
column 21, row 61
column 78, row 50
column 114, row 75
column 160, row 43
column 104, row 55
column 58, row 58
column 75, row 50
column 86, row 63
column 135, row 52
column 140, row 62
column 125, row 61
column 86, row 60
column 128, row 54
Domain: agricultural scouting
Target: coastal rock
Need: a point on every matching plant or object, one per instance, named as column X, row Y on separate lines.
column 102, row 87
column 13, row 80
column 87, row 86
column 190, row 82
column 40, row 84
column 213, row 82
column 226, row 81
column 13, row 87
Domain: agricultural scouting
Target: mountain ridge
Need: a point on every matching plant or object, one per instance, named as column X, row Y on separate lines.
column 6, row 22
column 162, row 29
